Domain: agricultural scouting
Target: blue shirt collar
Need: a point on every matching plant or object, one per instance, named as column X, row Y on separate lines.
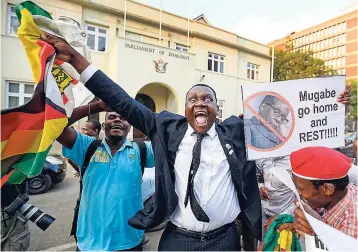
column 126, row 143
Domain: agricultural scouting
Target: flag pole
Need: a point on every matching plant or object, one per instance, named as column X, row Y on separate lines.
column 188, row 33
column 125, row 18
column 272, row 60
column 160, row 22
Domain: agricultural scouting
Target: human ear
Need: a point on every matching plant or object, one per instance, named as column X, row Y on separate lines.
column 328, row 189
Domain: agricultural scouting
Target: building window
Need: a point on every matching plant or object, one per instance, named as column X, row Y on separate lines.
column 339, row 62
column 180, row 47
column 215, row 63
column 96, row 37
column 221, row 108
column 253, row 71
column 338, row 28
column 18, row 93
column 335, row 52
column 344, row 71
column 12, row 22
column 343, row 50
column 334, row 29
column 314, row 36
column 343, row 61
column 343, row 38
column 344, row 26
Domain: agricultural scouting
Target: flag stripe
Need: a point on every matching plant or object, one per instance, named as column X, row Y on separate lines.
column 21, row 121
column 32, row 8
column 22, row 141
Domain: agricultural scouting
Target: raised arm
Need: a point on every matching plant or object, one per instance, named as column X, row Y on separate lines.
column 103, row 87
column 69, row 135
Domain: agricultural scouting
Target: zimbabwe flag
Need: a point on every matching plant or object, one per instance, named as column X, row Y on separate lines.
column 28, row 131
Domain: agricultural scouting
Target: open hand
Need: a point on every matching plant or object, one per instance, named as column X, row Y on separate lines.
column 345, row 96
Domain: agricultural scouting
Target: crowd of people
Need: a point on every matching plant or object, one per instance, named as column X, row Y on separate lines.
column 213, row 198
column 204, row 184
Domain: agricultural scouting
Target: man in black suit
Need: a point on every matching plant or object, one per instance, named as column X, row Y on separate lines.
column 203, row 180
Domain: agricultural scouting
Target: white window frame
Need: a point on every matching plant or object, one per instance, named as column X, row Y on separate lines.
column 221, row 105
column 181, row 47
column 9, row 14
column 220, row 59
column 97, row 34
column 251, row 66
column 21, row 94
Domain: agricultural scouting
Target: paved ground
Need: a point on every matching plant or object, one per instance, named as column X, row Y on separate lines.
column 59, row 202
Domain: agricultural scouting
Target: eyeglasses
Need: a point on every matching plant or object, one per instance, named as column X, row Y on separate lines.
column 278, row 113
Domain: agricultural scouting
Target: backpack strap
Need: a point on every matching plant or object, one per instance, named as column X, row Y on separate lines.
column 142, row 152
column 89, row 153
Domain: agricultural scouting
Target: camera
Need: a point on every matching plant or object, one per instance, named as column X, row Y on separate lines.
column 30, row 212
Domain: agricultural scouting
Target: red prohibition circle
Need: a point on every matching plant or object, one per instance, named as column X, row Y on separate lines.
column 264, row 93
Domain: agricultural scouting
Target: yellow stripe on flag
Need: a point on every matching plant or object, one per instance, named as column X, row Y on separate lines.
column 51, row 131
column 29, row 33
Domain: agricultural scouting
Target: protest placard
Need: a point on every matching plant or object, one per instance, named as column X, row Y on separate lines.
column 282, row 117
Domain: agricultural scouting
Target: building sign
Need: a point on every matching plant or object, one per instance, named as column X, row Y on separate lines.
column 148, row 49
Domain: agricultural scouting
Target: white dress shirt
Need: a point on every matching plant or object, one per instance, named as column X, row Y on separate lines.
column 213, row 186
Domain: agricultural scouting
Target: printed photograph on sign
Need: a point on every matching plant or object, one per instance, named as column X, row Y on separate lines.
column 269, row 121
column 282, row 117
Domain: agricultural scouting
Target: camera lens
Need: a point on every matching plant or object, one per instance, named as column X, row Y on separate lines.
column 35, row 215
column 45, row 222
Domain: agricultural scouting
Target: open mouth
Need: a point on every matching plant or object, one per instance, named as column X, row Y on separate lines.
column 201, row 117
column 117, row 127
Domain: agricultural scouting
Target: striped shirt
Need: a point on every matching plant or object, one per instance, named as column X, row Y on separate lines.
column 344, row 215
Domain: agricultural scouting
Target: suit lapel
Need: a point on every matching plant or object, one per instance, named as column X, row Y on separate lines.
column 174, row 142
column 235, row 168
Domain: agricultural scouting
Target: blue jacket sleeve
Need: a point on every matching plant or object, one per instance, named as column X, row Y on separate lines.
column 118, row 100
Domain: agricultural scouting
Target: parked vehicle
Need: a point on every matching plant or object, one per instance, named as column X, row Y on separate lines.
column 148, row 189
column 53, row 172
column 348, row 148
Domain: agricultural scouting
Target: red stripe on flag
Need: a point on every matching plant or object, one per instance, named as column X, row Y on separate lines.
column 74, row 82
column 45, row 52
column 20, row 121
column 5, row 178
column 64, row 99
column 59, row 62
column 52, row 113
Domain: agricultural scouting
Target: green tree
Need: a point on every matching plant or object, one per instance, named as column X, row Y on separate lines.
column 352, row 110
column 290, row 65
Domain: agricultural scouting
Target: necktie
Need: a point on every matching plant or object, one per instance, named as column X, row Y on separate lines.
column 195, row 207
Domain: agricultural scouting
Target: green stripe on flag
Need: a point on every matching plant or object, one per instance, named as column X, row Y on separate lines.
column 30, row 165
column 33, row 8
